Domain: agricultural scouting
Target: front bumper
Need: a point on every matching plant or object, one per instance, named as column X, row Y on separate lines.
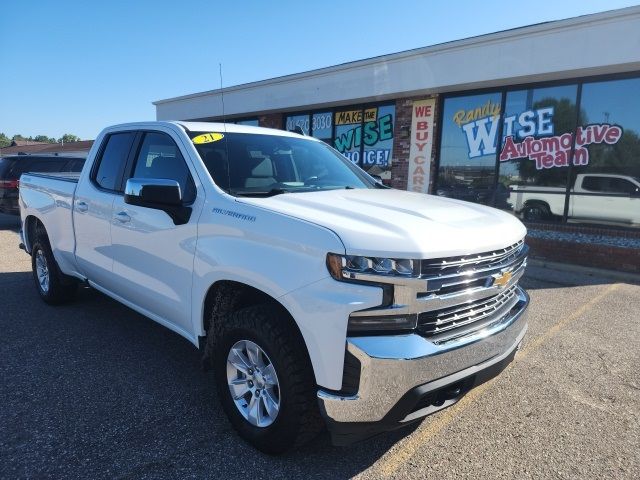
column 405, row 377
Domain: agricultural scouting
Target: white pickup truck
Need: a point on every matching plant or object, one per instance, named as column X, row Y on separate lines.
column 599, row 197
column 314, row 292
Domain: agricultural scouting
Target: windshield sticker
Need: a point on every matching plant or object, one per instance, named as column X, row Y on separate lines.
column 207, row 138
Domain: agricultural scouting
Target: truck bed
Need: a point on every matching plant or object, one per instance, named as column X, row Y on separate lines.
column 66, row 176
column 50, row 196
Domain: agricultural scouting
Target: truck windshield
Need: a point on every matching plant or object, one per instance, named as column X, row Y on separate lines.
column 245, row 164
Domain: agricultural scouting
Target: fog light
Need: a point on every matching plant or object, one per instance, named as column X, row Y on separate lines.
column 377, row 324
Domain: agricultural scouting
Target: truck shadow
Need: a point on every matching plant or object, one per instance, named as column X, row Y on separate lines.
column 92, row 387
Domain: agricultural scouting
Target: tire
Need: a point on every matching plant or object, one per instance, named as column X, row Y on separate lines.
column 282, row 352
column 53, row 286
column 535, row 212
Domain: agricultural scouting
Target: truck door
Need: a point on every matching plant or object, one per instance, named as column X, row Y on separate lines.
column 153, row 257
column 92, row 208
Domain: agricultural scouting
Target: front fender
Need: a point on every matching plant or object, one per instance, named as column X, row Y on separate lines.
column 285, row 258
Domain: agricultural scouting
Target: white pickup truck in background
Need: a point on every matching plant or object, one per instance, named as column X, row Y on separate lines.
column 599, row 197
column 314, row 292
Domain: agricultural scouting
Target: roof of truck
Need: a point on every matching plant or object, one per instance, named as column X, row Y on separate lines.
column 214, row 127
column 233, row 128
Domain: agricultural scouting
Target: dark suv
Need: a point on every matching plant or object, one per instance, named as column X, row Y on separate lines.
column 11, row 167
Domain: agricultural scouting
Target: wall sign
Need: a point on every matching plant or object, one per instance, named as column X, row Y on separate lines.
column 530, row 134
column 549, row 152
column 365, row 137
column 421, row 145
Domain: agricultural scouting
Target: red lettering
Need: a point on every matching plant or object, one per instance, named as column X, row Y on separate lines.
column 419, row 160
column 422, row 126
column 418, row 171
column 509, row 150
column 561, row 159
column 581, row 156
column 421, row 136
column 423, row 111
column 420, row 146
column 418, row 180
column 614, row 134
column 598, row 132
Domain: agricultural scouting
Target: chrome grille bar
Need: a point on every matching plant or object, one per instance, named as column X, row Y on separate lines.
column 438, row 322
column 456, row 265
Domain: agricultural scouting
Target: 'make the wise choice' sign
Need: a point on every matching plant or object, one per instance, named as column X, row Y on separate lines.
column 421, row 145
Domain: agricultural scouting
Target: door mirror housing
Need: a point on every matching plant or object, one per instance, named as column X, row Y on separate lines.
column 159, row 194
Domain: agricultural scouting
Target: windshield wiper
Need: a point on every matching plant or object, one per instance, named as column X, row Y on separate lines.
column 258, row 193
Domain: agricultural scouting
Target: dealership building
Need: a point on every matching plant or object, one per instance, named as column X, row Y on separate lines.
column 542, row 121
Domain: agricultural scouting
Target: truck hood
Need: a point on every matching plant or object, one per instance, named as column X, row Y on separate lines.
column 399, row 224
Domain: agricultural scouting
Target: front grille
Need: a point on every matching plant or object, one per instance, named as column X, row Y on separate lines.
column 455, row 274
column 454, row 322
column 459, row 265
column 454, row 297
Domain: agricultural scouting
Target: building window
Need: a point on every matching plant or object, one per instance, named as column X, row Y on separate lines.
column 567, row 152
column 322, row 126
column 365, row 136
column 348, row 136
column 467, row 156
column 536, row 149
column 301, row 121
column 605, row 178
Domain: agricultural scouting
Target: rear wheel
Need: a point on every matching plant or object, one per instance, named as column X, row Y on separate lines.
column 264, row 379
column 53, row 286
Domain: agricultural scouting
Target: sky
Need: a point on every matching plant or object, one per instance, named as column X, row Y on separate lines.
column 76, row 67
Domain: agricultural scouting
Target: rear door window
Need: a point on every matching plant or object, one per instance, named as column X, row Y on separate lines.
column 594, row 184
column 110, row 167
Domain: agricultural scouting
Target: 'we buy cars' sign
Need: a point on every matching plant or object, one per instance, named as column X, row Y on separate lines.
column 421, row 145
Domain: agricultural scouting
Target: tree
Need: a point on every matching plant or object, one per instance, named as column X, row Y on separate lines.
column 4, row 140
column 44, row 138
column 68, row 138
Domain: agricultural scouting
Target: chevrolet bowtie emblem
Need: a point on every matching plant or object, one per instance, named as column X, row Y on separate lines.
column 502, row 279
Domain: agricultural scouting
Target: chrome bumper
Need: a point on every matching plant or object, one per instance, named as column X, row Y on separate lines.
column 392, row 366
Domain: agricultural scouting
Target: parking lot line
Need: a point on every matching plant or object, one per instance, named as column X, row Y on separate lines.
column 394, row 461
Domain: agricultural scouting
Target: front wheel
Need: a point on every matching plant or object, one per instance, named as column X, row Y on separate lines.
column 535, row 213
column 264, row 379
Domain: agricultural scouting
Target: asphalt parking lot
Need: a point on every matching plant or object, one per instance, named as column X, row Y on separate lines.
column 94, row 390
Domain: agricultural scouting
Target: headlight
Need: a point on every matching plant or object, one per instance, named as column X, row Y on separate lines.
column 387, row 273
column 354, row 267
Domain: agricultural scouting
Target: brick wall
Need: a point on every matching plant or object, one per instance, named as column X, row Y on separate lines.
column 588, row 255
column 402, row 142
column 271, row 120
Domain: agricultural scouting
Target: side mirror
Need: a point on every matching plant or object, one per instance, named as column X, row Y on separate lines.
column 159, row 194
column 377, row 178
column 636, row 193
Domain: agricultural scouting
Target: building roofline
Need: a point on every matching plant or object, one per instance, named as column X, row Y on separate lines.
column 527, row 30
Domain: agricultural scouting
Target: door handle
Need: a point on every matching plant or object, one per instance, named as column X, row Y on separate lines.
column 82, row 206
column 122, row 217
